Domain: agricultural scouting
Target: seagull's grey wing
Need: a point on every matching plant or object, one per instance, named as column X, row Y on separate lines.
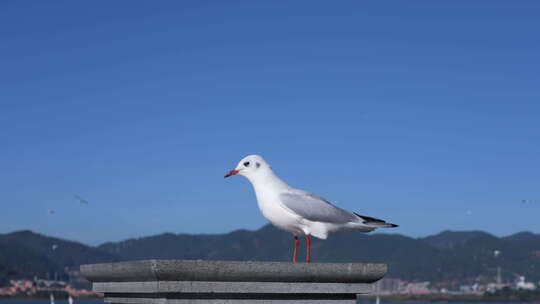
column 315, row 208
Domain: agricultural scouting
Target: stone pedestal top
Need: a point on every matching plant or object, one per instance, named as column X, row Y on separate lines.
column 225, row 271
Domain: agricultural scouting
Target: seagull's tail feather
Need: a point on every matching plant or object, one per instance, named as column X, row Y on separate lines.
column 383, row 225
column 374, row 222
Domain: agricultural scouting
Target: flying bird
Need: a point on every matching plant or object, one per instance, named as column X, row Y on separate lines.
column 296, row 211
column 81, row 200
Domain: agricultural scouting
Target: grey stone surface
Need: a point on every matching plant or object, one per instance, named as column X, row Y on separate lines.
column 232, row 287
column 198, row 282
column 222, row 271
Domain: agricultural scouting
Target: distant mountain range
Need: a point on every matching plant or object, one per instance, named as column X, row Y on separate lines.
column 448, row 256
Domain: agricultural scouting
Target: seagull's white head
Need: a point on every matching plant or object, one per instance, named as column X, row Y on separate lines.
column 251, row 167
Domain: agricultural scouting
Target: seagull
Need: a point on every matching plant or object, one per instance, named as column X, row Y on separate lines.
column 296, row 211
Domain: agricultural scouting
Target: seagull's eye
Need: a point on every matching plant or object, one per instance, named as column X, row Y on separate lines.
column 246, row 164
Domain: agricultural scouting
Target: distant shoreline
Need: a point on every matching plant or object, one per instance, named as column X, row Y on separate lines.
column 41, row 299
column 364, row 299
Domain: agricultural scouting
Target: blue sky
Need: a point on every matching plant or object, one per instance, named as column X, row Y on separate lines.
column 423, row 113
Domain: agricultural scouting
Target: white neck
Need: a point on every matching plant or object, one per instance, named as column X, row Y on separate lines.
column 267, row 179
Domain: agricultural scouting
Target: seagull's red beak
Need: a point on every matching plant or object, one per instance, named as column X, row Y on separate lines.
column 231, row 173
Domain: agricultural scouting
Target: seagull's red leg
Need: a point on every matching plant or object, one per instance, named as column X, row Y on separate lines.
column 295, row 252
column 308, row 246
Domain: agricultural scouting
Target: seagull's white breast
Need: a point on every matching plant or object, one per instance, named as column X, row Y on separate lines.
column 276, row 213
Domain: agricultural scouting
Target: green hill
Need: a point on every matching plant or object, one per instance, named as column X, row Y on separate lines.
column 447, row 256
column 24, row 254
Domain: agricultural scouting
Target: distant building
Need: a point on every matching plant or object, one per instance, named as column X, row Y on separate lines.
column 416, row 288
column 475, row 288
column 27, row 287
column 465, row 289
column 492, row 287
column 522, row 284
